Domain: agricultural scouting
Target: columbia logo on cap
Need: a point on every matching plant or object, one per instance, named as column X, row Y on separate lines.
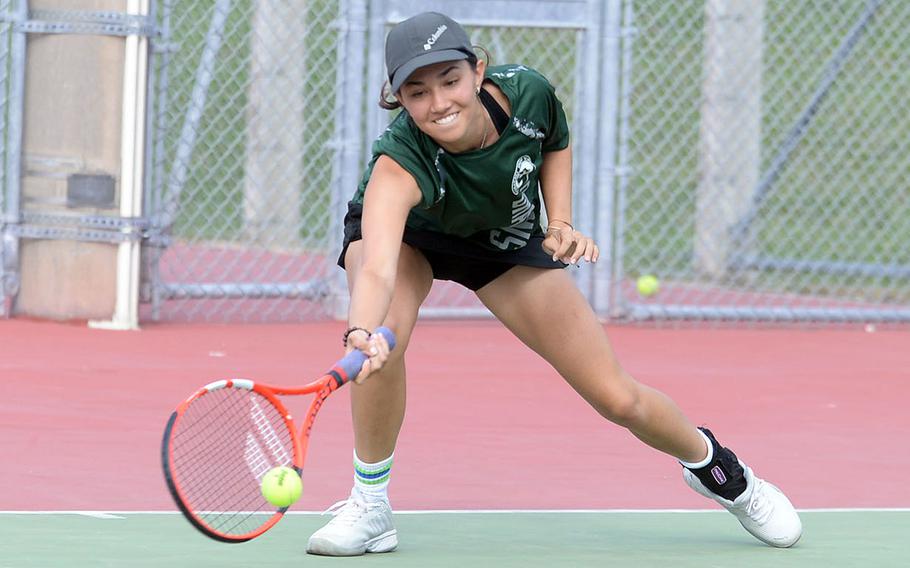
column 421, row 40
column 433, row 38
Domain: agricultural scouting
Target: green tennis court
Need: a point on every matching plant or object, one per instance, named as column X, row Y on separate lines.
column 680, row 539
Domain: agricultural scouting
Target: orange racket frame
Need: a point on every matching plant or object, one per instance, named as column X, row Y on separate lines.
column 342, row 372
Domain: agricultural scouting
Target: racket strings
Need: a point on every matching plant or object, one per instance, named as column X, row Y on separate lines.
column 199, row 448
column 223, row 444
column 225, row 496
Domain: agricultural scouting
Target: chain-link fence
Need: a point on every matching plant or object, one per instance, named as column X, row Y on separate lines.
column 245, row 97
column 766, row 146
column 749, row 153
column 263, row 120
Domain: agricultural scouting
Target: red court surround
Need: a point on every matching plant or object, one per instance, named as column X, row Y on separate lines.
column 820, row 413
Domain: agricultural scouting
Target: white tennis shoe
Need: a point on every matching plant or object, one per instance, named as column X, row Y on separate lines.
column 762, row 509
column 357, row 526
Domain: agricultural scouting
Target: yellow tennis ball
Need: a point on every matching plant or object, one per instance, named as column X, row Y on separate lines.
column 648, row 285
column 281, row 486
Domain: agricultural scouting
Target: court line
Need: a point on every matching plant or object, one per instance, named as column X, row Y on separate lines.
column 122, row 514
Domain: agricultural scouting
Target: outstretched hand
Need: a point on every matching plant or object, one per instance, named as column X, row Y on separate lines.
column 567, row 245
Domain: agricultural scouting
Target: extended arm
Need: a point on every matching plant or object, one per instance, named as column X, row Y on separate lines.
column 390, row 195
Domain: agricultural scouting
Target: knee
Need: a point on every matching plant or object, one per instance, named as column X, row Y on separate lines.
column 621, row 405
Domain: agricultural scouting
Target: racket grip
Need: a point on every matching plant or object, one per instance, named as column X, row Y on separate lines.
column 353, row 361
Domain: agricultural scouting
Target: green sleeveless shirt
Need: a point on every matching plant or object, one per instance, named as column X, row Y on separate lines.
column 488, row 196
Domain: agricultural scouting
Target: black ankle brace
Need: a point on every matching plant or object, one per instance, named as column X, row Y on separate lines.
column 723, row 476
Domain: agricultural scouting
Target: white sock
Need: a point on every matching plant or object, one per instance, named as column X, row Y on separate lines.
column 371, row 480
column 705, row 461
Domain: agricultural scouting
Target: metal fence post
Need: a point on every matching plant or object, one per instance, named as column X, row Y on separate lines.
column 13, row 156
column 608, row 119
column 347, row 140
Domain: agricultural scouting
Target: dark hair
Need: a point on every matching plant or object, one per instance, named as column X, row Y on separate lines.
column 387, row 99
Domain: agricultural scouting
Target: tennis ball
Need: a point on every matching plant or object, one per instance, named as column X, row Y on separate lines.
column 648, row 285
column 281, row 486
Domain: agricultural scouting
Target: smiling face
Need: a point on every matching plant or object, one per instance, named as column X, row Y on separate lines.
column 442, row 100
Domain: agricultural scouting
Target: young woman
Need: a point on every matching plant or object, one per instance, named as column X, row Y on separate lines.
column 451, row 193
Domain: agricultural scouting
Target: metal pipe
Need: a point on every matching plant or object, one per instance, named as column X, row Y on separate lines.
column 13, row 156
column 823, row 267
column 584, row 144
column 455, row 313
column 605, row 210
column 312, row 290
column 642, row 312
column 347, row 163
column 6, row 28
column 159, row 85
column 623, row 169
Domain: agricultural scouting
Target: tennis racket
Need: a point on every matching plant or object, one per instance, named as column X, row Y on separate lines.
column 222, row 440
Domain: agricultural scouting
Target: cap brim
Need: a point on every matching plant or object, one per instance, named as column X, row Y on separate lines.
column 402, row 73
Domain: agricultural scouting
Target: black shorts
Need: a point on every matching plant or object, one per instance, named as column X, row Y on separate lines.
column 455, row 259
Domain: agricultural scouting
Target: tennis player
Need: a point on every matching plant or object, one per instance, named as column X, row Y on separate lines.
column 451, row 193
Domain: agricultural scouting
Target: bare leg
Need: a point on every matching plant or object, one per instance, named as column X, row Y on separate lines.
column 378, row 404
column 545, row 309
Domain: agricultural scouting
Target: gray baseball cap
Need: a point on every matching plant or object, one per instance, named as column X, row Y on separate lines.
column 424, row 39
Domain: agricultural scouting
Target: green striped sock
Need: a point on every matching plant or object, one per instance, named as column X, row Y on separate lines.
column 372, row 479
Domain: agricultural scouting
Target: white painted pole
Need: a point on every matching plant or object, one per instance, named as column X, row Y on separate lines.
column 132, row 159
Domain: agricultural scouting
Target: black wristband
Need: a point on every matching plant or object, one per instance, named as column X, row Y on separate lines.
column 350, row 330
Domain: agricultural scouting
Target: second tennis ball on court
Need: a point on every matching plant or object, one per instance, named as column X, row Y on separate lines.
column 281, row 486
column 647, row 285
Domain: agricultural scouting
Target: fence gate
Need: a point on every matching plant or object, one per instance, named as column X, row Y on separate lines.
column 264, row 116
column 249, row 146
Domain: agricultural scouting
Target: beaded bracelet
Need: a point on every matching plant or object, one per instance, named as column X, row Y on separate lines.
column 351, row 330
